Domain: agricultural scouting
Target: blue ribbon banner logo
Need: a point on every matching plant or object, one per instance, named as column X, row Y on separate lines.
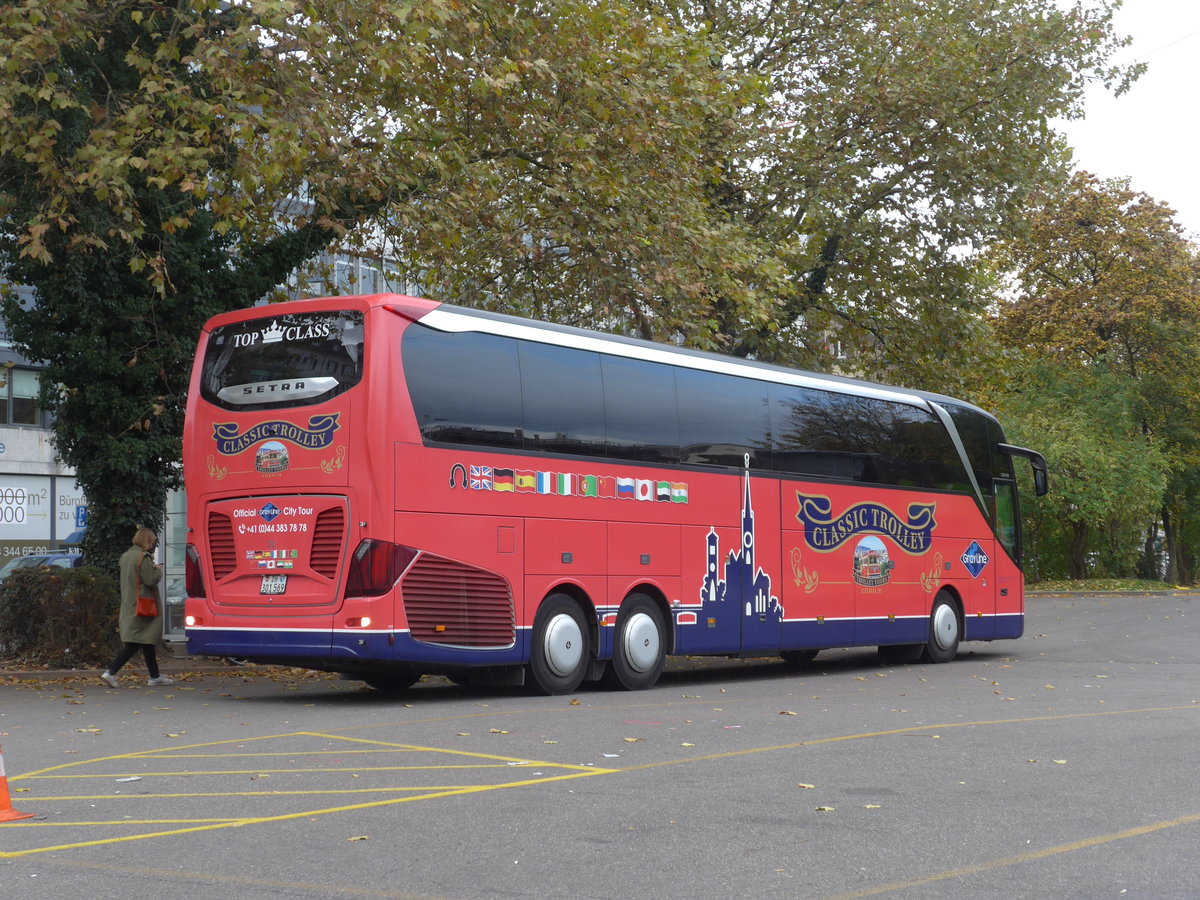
column 317, row 435
column 823, row 532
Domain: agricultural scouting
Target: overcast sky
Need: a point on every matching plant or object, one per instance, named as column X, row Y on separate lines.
column 1151, row 134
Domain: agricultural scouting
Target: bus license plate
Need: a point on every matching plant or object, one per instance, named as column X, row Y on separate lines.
column 273, row 584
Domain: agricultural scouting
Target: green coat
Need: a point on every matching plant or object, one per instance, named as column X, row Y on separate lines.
column 136, row 563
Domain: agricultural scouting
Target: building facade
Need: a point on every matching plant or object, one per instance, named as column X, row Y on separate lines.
column 41, row 507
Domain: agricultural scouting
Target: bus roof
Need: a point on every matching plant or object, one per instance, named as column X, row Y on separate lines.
column 450, row 317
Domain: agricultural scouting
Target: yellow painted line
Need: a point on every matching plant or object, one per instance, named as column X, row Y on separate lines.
column 160, row 754
column 1031, row 856
column 573, row 772
column 468, row 753
column 197, row 772
column 378, row 790
column 260, row 820
column 143, row 755
column 111, row 822
column 916, row 729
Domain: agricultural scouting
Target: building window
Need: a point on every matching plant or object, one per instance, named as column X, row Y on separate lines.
column 19, row 398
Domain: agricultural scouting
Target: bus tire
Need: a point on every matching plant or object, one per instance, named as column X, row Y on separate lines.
column 640, row 646
column 393, row 682
column 558, row 658
column 945, row 630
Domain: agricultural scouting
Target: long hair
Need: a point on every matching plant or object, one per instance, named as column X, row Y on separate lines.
column 145, row 538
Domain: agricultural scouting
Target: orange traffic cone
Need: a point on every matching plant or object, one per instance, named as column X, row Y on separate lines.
column 7, row 813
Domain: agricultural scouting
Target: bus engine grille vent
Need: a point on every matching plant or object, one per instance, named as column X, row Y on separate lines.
column 457, row 605
column 220, row 544
column 327, row 541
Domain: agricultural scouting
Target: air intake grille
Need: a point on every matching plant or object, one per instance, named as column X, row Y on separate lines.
column 220, row 544
column 327, row 541
column 450, row 603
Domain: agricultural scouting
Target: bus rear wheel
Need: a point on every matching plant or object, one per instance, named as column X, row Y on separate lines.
column 640, row 648
column 945, row 630
column 559, row 656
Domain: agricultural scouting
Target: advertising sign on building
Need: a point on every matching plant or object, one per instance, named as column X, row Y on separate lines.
column 39, row 513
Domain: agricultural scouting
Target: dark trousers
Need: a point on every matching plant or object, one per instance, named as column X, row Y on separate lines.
column 127, row 653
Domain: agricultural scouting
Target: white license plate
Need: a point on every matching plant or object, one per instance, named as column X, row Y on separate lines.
column 273, row 584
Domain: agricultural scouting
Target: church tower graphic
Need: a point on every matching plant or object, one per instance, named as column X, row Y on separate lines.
column 742, row 583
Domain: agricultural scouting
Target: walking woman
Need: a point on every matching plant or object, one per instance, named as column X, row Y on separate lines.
column 139, row 575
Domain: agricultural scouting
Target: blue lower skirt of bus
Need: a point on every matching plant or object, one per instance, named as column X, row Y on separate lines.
column 326, row 648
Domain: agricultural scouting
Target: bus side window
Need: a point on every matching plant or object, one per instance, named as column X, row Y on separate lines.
column 563, row 399
column 722, row 419
column 465, row 388
column 640, row 411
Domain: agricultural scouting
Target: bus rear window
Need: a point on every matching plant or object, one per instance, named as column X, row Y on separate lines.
column 281, row 361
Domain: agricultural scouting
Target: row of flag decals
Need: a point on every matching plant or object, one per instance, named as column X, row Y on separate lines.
column 567, row 484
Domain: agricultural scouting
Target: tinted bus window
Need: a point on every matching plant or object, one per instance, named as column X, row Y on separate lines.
column 809, row 438
column 723, row 418
column 823, row 433
column 563, row 399
column 465, row 388
column 641, row 415
column 283, row 361
column 973, row 431
column 911, row 443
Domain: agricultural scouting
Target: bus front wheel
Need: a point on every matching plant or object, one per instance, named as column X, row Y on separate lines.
column 945, row 630
column 640, row 648
column 558, row 658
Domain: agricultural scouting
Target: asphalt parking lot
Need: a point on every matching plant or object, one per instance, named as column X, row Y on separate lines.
column 1062, row 763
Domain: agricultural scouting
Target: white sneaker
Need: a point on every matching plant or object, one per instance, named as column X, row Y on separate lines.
column 110, row 679
column 161, row 679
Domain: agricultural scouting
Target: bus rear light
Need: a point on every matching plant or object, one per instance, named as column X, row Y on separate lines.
column 362, row 622
column 191, row 621
column 375, row 567
column 193, row 576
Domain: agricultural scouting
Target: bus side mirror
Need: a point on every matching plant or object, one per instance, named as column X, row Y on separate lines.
column 1041, row 480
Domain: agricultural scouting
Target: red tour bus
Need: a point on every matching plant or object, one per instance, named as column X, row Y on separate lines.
column 387, row 486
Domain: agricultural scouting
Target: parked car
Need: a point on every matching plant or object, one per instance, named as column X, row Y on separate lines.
column 63, row 559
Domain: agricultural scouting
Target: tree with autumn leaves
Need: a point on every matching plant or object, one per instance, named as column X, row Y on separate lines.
column 1104, row 330
column 893, row 144
column 162, row 162
column 730, row 174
